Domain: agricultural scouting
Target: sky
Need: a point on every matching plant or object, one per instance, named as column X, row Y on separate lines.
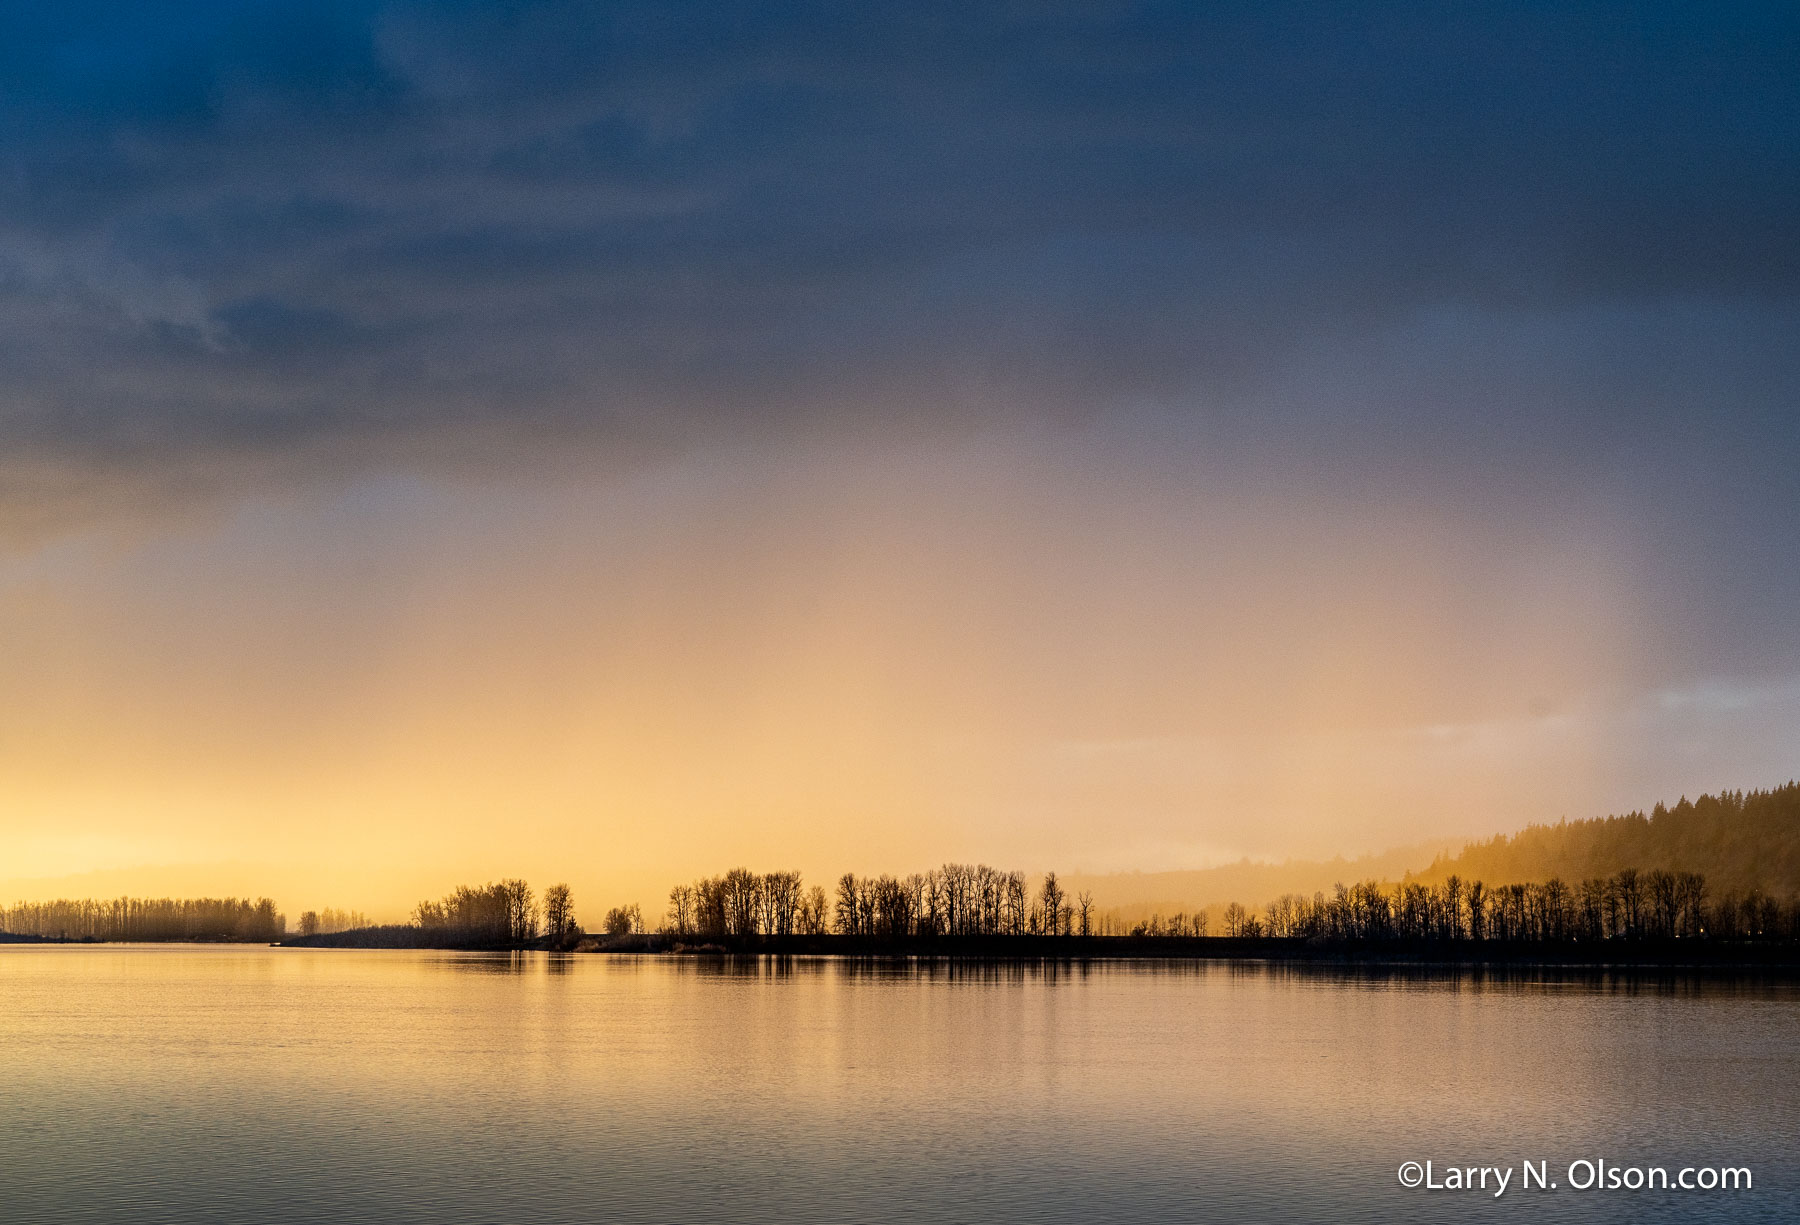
column 615, row 443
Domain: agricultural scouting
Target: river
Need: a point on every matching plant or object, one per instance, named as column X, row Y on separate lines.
column 151, row 1084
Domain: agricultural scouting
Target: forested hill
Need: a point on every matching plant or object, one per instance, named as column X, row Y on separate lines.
column 1738, row 840
column 1135, row 894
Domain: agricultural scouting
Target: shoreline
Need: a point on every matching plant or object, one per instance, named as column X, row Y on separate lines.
column 1782, row 957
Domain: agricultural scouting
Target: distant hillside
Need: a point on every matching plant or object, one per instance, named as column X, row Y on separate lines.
column 1135, row 894
column 1738, row 840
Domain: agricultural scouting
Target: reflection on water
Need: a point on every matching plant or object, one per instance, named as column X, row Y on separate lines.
column 165, row 1084
column 1679, row 981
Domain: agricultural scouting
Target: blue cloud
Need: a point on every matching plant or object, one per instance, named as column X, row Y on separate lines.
column 375, row 216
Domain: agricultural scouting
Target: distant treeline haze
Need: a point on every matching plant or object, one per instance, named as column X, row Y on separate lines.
column 1741, row 841
column 328, row 920
column 143, row 918
column 1722, row 867
column 1738, row 840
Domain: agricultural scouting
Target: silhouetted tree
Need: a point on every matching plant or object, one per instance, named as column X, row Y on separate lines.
column 780, row 902
column 849, row 905
column 711, row 912
column 150, row 919
column 1476, row 893
column 963, row 900
column 1015, row 916
column 1452, row 908
column 468, row 915
column 521, row 911
column 1690, row 890
column 559, row 914
column 1630, row 902
column 1050, row 906
column 743, row 902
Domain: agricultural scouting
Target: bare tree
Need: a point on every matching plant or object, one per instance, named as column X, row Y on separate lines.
column 1590, row 909
column 849, row 905
column 680, row 920
column 1477, row 902
column 780, row 902
column 743, row 902
column 711, row 911
column 1554, row 908
column 1630, row 901
column 1051, row 906
column 521, row 911
column 559, row 914
column 1665, row 901
column 1452, row 912
column 1691, row 902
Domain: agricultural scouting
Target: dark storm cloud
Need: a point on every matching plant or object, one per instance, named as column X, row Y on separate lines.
column 245, row 229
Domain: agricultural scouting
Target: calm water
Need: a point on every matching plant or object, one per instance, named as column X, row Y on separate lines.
column 180, row 1084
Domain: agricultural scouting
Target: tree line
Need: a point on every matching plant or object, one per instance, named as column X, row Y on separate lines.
column 1755, row 835
column 504, row 913
column 1740, row 840
column 147, row 919
column 954, row 900
column 329, row 920
column 1629, row 905
column 962, row 900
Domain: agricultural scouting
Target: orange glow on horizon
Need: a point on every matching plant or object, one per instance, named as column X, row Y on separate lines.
column 830, row 662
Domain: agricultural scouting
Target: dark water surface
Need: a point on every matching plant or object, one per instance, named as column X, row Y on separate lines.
column 183, row 1084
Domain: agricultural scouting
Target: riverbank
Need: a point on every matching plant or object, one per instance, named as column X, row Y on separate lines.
column 1675, row 954
column 1780, row 957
